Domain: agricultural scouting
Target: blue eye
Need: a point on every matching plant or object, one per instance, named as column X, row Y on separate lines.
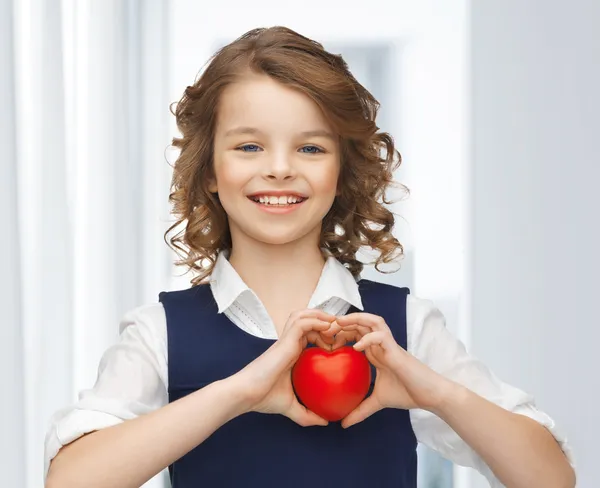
column 255, row 148
column 311, row 150
column 249, row 148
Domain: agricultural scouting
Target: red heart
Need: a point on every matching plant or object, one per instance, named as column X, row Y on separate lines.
column 331, row 384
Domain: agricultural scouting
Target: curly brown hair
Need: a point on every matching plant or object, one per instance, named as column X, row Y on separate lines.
column 357, row 218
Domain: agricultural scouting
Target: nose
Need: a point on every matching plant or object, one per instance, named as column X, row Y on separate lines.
column 279, row 167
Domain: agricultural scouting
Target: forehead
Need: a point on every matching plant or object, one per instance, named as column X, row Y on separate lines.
column 261, row 102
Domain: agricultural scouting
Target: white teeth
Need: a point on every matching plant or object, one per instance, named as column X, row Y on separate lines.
column 273, row 200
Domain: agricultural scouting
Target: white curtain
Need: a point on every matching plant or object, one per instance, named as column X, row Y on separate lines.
column 83, row 199
column 84, row 123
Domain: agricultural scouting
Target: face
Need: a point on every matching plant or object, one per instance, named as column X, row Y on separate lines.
column 276, row 162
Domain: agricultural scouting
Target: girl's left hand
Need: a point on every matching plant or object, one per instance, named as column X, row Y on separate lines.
column 402, row 380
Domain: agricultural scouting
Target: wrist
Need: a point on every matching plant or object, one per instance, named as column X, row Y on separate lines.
column 452, row 396
column 230, row 397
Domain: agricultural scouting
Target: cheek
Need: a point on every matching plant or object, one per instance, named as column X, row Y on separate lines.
column 230, row 177
column 328, row 180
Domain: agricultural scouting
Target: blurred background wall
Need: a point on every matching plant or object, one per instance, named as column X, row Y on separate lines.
column 535, row 233
column 492, row 106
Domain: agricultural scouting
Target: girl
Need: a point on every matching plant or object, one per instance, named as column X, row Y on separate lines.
column 279, row 181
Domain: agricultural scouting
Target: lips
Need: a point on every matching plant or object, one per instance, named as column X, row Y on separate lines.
column 277, row 193
column 277, row 200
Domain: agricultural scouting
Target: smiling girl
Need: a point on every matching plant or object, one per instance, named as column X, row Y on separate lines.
column 279, row 182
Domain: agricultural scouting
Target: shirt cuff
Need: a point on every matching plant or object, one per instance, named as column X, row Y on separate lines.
column 71, row 427
column 529, row 410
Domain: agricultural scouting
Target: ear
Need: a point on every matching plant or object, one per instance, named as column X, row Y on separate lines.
column 212, row 186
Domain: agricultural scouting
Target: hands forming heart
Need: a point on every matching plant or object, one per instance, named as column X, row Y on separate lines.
column 402, row 380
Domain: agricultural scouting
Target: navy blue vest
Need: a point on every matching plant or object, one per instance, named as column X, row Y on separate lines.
column 262, row 451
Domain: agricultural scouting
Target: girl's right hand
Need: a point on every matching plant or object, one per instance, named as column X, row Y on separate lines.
column 266, row 382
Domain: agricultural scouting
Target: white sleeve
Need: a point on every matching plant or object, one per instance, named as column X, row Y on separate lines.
column 132, row 380
column 430, row 341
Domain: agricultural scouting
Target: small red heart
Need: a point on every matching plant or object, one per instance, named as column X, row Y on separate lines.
column 331, row 384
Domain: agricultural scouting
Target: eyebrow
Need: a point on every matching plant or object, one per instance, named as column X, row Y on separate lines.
column 308, row 133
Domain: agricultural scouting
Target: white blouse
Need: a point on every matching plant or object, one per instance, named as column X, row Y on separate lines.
column 133, row 379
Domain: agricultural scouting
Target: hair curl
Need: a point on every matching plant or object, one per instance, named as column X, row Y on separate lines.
column 357, row 218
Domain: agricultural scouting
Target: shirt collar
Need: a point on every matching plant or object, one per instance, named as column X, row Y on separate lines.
column 335, row 281
column 225, row 282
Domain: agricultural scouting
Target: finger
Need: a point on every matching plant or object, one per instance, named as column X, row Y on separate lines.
column 328, row 339
column 313, row 330
column 316, row 313
column 304, row 417
column 294, row 317
column 344, row 337
column 374, row 322
column 363, row 411
column 361, row 329
column 372, row 339
column 309, row 324
column 317, row 339
column 333, row 329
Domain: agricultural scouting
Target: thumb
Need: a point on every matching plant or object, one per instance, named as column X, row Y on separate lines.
column 304, row 417
column 367, row 408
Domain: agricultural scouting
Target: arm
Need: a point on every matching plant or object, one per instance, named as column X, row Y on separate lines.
column 458, row 407
column 122, row 432
column 519, row 451
column 131, row 388
column 483, row 422
column 129, row 454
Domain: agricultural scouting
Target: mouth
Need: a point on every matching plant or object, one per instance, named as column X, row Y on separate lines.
column 278, row 200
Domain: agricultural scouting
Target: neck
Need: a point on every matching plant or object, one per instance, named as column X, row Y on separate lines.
column 277, row 272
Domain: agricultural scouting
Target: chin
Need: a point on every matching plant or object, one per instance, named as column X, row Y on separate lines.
column 276, row 235
column 277, row 239
column 273, row 236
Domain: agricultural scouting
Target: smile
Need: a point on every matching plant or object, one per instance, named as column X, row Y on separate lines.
column 278, row 204
column 279, row 201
